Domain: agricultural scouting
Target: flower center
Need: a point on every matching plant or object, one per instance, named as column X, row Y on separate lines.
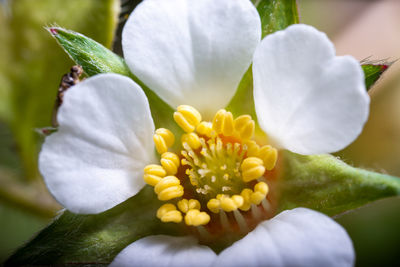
column 217, row 180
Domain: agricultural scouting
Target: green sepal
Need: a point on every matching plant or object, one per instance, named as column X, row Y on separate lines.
column 327, row 184
column 94, row 239
column 92, row 56
column 373, row 72
column 95, row 59
column 276, row 15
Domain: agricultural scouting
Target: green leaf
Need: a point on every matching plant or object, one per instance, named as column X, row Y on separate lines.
column 327, row 184
column 94, row 239
column 31, row 66
column 95, row 59
column 373, row 72
column 275, row 15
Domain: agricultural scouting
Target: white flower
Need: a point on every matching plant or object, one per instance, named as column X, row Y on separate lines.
column 195, row 53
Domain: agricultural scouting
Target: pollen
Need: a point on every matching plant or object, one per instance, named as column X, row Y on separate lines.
column 218, row 170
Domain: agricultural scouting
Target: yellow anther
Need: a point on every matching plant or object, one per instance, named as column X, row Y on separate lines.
column 269, row 155
column 187, row 117
column 172, row 216
column 223, row 122
column 244, row 126
column 246, row 194
column 260, row 192
column 168, row 213
column 165, row 183
column 163, row 139
column 153, row 174
column 205, row 128
column 164, row 209
column 214, row 205
column 227, row 204
column 168, row 188
column 192, row 140
column 252, row 148
column 170, row 162
column 170, row 193
column 196, row 218
column 239, row 201
column 252, row 168
column 185, row 205
column 261, row 187
column 257, row 197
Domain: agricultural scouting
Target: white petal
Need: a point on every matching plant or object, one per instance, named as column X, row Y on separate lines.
column 163, row 251
column 299, row 237
column 96, row 159
column 308, row 100
column 192, row 52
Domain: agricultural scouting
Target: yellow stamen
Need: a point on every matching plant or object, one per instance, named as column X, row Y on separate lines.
column 253, row 149
column 185, row 205
column 260, row 192
column 187, row 117
column 195, row 217
column 218, row 161
column 269, row 155
column 223, row 122
column 252, row 168
column 170, row 162
column 168, row 213
column 205, row 128
column 168, row 188
column 214, row 205
column 153, row 174
column 244, row 125
column 227, row 204
column 246, row 194
column 192, row 140
column 163, row 139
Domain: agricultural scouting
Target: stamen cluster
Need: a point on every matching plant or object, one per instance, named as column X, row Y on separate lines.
column 219, row 169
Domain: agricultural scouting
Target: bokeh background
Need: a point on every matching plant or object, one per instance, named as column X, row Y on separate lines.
column 32, row 64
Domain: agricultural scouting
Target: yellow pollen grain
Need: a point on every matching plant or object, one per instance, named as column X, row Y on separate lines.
column 187, row 117
column 153, row 174
column 244, row 126
column 196, row 218
column 170, row 162
column 252, row 168
column 192, row 140
column 163, row 139
column 269, row 155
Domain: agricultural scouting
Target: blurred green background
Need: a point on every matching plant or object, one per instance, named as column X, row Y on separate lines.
column 32, row 65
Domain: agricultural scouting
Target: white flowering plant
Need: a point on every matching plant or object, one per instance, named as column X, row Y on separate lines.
column 207, row 145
